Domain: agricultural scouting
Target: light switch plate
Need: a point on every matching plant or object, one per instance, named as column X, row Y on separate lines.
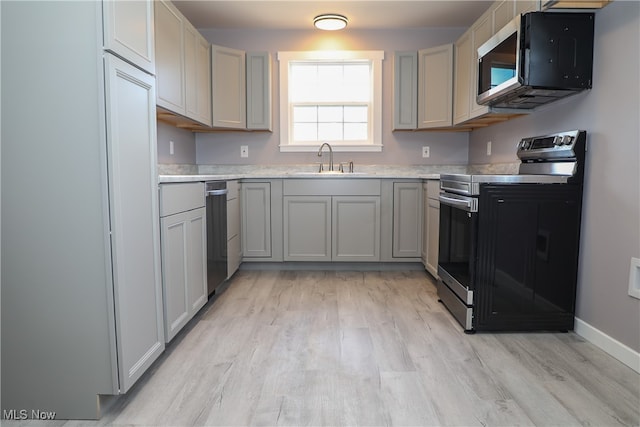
column 244, row 151
column 425, row 151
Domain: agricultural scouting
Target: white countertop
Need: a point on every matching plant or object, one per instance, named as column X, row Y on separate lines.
column 169, row 174
column 294, row 175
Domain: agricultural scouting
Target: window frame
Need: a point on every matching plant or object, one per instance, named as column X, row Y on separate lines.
column 375, row 139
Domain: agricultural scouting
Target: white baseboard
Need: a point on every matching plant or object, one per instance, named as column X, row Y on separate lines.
column 613, row 347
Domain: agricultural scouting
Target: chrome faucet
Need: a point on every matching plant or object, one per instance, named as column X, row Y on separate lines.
column 330, row 156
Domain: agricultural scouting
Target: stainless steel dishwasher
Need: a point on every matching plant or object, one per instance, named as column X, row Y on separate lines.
column 216, row 193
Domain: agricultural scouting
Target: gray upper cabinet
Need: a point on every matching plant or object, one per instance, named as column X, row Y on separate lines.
column 128, row 31
column 423, row 88
column 435, row 87
column 228, row 75
column 259, row 91
column 182, row 65
column 405, row 90
column 170, row 75
column 197, row 63
column 465, row 107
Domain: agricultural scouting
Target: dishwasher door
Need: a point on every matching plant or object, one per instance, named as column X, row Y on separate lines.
column 216, row 193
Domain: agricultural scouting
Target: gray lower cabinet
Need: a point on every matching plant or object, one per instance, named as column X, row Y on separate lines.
column 234, row 253
column 184, row 256
column 261, row 220
column 407, row 220
column 431, row 230
column 329, row 220
column 356, row 228
column 325, row 228
column 307, row 228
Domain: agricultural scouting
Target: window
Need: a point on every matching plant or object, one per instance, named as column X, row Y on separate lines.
column 331, row 96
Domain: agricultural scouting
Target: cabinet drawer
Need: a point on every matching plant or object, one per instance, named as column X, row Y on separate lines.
column 433, row 189
column 331, row 187
column 181, row 197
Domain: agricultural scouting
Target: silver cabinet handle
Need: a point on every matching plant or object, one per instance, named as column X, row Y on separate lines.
column 217, row 192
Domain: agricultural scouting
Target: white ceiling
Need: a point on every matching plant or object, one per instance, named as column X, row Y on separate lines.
column 299, row 14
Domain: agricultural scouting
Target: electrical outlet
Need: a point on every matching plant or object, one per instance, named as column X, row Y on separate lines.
column 488, row 148
column 244, row 151
column 425, row 151
column 171, row 150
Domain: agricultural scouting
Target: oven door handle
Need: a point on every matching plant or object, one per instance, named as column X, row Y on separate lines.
column 468, row 204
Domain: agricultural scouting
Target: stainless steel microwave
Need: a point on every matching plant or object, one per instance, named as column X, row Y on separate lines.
column 535, row 59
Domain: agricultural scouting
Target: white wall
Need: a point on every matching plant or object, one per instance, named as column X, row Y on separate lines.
column 400, row 148
column 610, row 113
column 184, row 145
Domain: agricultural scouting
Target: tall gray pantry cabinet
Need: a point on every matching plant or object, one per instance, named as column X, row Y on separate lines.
column 81, row 289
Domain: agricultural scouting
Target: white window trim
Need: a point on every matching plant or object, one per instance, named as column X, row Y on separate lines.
column 374, row 55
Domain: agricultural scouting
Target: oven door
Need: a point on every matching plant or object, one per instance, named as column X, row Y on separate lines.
column 457, row 254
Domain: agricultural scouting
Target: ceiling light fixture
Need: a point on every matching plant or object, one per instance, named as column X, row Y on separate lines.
column 330, row 22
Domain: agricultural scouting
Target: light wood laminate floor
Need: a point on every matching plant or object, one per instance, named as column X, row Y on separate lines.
column 326, row 348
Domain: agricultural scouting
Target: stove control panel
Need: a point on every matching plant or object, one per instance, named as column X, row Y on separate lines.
column 554, row 146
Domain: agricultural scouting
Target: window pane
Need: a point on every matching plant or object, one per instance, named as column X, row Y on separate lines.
column 330, row 114
column 357, row 83
column 305, row 114
column 305, row 132
column 330, row 132
column 355, row 132
column 356, row 114
column 304, row 82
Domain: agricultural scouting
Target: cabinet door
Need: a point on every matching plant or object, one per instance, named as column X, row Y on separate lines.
column 259, row 91
column 425, row 225
column 407, row 219
column 133, row 201
column 170, row 72
column 405, row 90
column 503, row 12
column 355, row 228
column 183, row 268
column 307, row 228
column 233, row 229
column 197, row 260
column 435, row 87
column 256, row 220
column 228, row 76
column 480, row 33
column 197, row 63
column 129, row 31
column 462, row 78
column 433, row 235
column 524, row 6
